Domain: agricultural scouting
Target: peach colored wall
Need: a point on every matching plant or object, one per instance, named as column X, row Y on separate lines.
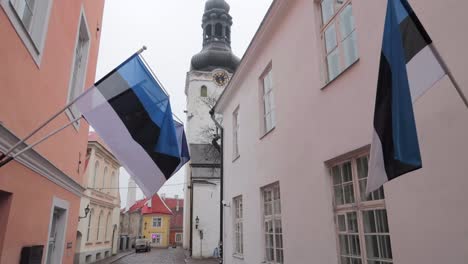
column 426, row 219
column 29, row 95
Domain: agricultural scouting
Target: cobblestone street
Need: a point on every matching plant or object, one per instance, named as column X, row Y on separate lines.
column 160, row 256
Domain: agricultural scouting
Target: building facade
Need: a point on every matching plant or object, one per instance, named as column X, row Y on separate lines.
column 177, row 219
column 210, row 71
column 298, row 121
column 49, row 51
column 156, row 223
column 98, row 232
column 130, row 224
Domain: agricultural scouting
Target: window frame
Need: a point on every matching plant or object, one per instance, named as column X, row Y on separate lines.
column 82, row 28
column 273, row 218
column 235, row 134
column 180, row 236
column 359, row 206
column 33, row 38
column 160, row 221
column 238, row 208
column 335, row 20
column 264, row 129
column 203, row 91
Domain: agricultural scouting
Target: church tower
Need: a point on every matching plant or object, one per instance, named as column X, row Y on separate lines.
column 210, row 72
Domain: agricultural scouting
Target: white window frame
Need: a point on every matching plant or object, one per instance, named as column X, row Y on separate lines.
column 160, row 221
column 34, row 37
column 350, row 216
column 273, row 219
column 63, row 205
column 155, row 239
column 340, row 48
column 235, row 134
column 267, row 101
column 238, row 226
column 178, row 237
column 78, row 82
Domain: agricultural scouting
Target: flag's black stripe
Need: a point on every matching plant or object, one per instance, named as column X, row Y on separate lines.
column 413, row 35
column 140, row 126
column 383, row 122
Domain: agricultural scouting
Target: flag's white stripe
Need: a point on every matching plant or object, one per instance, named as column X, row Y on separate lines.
column 424, row 70
column 377, row 175
column 111, row 129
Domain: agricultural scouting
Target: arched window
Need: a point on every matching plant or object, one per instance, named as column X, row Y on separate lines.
column 228, row 33
column 218, row 30
column 107, row 227
column 104, row 179
column 96, row 169
column 99, row 226
column 208, row 31
column 89, row 224
column 203, row 91
column 113, row 183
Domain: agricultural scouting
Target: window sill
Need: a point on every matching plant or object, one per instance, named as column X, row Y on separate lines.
column 98, row 243
column 341, row 73
column 238, row 256
column 88, row 243
column 268, row 132
column 235, row 158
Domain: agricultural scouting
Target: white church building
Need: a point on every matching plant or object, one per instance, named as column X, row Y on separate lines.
column 210, row 72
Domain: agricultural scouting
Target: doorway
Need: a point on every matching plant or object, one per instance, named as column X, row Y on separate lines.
column 5, row 202
column 57, row 228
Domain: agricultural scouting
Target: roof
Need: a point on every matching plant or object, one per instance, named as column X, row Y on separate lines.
column 172, row 203
column 157, row 206
column 138, row 205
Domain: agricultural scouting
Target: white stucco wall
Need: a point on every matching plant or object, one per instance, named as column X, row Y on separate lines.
column 206, row 207
column 426, row 218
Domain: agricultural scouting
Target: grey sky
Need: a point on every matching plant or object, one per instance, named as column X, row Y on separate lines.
column 172, row 32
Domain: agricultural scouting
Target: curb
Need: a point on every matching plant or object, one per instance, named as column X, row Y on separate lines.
column 122, row 256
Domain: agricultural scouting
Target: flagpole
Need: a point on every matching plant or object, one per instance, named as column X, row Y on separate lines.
column 449, row 74
column 4, row 162
column 53, row 117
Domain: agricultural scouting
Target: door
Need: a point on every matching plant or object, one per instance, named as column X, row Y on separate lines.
column 156, row 239
column 52, row 238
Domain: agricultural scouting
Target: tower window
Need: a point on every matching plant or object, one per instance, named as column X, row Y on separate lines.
column 228, row 33
column 208, row 30
column 218, row 30
column 203, row 91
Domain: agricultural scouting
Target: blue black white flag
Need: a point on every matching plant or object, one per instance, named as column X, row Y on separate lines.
column 131, row 112
column 408, row 68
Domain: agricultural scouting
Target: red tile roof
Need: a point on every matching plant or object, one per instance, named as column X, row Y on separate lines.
column 172, row 203
column 138, row 205
column 157, row 206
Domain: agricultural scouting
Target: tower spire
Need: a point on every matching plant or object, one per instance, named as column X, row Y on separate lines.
column 216, row 52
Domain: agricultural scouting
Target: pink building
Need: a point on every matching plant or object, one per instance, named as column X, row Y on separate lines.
column 297, row 119
column 48, row 52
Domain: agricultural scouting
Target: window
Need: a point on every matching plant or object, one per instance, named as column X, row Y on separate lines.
column 80, row 62
column 157, row 221
column 99, row 226
column 107, row 227
column 96, row 169
column 156, row 238
column 89, row 224
column 268, row 101
column 208, row 31
column 272, row 224
column 203, row 91
column 338, row 32
column 113, row 184
column 104, row 178
column 30, row 19
column 235, row 133
column 361, row 220
column 178, row 237
column 218, row 30
column 238, row 226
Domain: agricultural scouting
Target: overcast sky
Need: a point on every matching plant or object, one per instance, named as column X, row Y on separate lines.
column 172, row 32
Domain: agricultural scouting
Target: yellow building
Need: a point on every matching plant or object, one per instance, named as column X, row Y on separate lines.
column 156, row 222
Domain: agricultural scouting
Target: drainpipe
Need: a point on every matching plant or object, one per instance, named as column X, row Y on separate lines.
column 221, row 176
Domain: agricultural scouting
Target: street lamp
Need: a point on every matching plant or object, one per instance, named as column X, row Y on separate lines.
column 86, row 210
column 197, row 221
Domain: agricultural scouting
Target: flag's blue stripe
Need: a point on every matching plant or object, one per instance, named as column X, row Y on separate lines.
column 405, row 140
column 155, row 102
column 400, row 11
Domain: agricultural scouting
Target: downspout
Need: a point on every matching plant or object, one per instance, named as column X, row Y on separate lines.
column 221, row 176
column 191, row 213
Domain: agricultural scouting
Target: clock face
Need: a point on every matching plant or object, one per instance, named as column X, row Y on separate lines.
column 220, row 78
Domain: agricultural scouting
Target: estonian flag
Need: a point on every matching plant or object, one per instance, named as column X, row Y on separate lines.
column 408, row 68
column 131, row 112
